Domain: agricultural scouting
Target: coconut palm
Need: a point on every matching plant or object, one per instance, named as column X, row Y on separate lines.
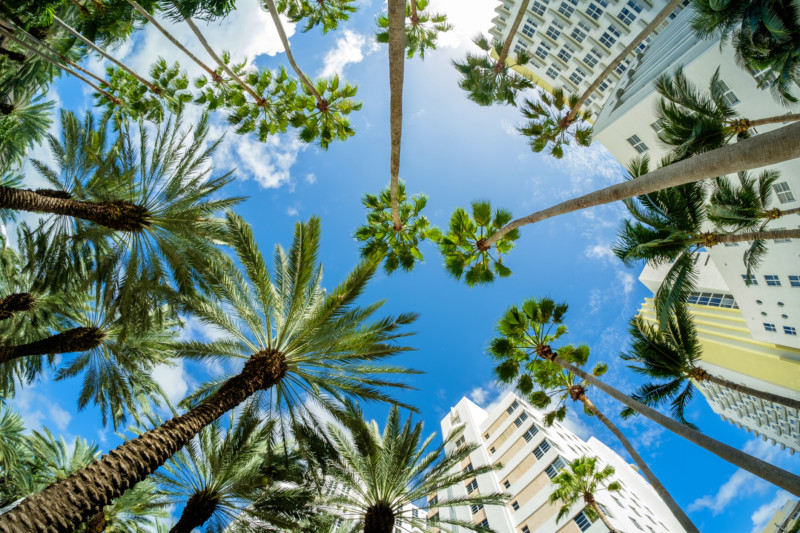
column 329, row 13
column 582, row 479
column 382, row 472
column 691, row 121
column 300, row 345
column 422, row 28
column 525, row 334
column 764, row 35
column 552, row 125
column 671, row 355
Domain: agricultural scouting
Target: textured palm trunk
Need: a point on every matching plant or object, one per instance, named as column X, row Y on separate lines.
column 414, row 15
column 63, row 506
column 662, row 15
column 701, row 375
column 72, row 340
column 711, row 239
column 18, row 302
column 777, row 476
column 758, row 151
column 397, row 58
column 96, row 524
column 322, row 104
column 602, row 516
column 779, row 119
column 379, row 518
column 501, row 59
column 666, row 497
column 118, row 215
column 198, row 509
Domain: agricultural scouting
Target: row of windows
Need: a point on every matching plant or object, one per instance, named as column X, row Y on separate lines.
column 513, row 406
column 772, row 280
column 789, row 330
column 528, row 435
column 713, row 299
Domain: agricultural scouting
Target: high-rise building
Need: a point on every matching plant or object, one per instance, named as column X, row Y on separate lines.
column 785, row 519
column 627, row 126
column 572, row 41
column 732, row 353
column 512, row 434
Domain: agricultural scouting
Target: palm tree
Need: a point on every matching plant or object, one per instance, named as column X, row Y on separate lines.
column 671, row 355
column 764, row 35
column 762, row 150
column 518, row 343
column 583, row 480
column 24, row 121
column 422, row 29
column 329, row 13
column 218, row 474
column 297, row 342
column 551, row 125
column 383, row 472
column 522, row 350
column 691, row 121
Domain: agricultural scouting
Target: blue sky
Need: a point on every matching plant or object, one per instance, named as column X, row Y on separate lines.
column 455, row 152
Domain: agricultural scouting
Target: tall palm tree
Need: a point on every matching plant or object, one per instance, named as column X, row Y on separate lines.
column 517, row 330
column 382, row 472
column 422, row 28
column 298, row 342
column 551, row 125
column 671, row 355
column 24, row 121
column 691, row 121
column 764, row 34
column 582, row 480
column 521, row 349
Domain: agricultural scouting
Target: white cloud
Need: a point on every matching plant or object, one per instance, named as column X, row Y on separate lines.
column 173, row 380
column 575, row 424
column 37, row 410
column 509, row 128
column 626, row 280
column 347, row 50
column 588, row 168
column 479, row 395
column 268, row 163
column 311, row 178
column 292, row 211
column 762, row 515
column 59, row 416
column 740, row 485
column 468, row 18
column 600, row 251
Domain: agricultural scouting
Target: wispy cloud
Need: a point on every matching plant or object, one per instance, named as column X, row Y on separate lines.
column 347, row 50
column 761, row 516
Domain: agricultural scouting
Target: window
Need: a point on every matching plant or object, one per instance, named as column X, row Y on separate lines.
column 468, row 468
column 783, row 192
column 637, row 144
column 567, row 8
column 541, row 51
column 519, row 47
column 780, row 304
column 485, row 522
column 610, row 37
column 640, row 48
column 520, row 419
column 460, row 442
column 769, row 327
column 472, row 486
column 603, row 86
column 772, row 280
column 433, row 501
column 565, row 53
column 582, row 522
column 794, row 281
column 594, row 11
column 592, row 58
column 579, row 32
column 604, row 509
column 525, row 529
column 529, row 28
column 415, row 513
column 728, row 94
column 553, row 71
column 486, row 436
column 629, row 12
column 492, row 450
column 635, row 523
column 538, row 8
column 475, row 508
column 528, row 435
column 749, row 280
column 434, row 519
column 516, row 403
column 712, row 299
column 577, row 76
column 506, row 484
column 515, row 506
column 623, row 66
column 554, row 30
column 789, row 330
column 555, row 467
column 541, row 449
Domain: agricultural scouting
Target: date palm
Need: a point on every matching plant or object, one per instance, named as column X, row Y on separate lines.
column 764, row 34
column 383, row 472
column 581, row 480
column 23, row 123
column 422, row 28
column 300, row 346
column 671, row 356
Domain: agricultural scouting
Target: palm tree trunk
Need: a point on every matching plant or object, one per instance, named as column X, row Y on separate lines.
column 73, row 340
column 662, row 492
column 16, row 303
column 397, row 57
column 414, row 15
column 63, row 506
column 777, row 213
column 701, row 375
column 501, row 60
column 214, row 76
column 710, row 239
column 603, row 517
column 118, row 215
column 379, row 518
column 200, row 37
column 663, row 14
column 758, row 151
column 777, row 476
column 96, row 524
column 12, row 55
column 198, row 509
column 789, row 117
column 322, row 104
column 103, row 53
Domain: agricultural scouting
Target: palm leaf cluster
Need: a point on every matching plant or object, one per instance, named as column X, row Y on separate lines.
column 548, row 124
column 580, row 481
column 422, row 28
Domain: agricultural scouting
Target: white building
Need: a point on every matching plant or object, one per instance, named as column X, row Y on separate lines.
column 731, row 352
column 572, row 41
column 513, row 435
column 626, row 126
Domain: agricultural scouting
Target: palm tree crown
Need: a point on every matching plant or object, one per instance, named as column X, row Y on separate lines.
column 581, row 480
column 549, row 125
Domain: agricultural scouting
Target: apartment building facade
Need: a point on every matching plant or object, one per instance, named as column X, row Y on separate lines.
column 770, row 303
column 732, row 353
column 572, row 41
column 513, row 434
